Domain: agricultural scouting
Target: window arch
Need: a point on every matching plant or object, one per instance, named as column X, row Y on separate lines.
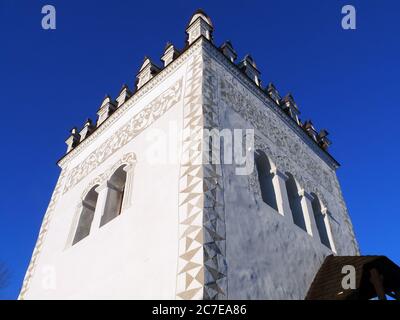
column 265, row 179
column 295, row 202
column 87, row 214
column 321, row 221
column 115, row 195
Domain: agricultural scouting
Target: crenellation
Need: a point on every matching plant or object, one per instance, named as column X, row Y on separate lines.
column 170, row 53
column 147, row 71
column 108, row 106
column 310, row 129
column 290, row 107
column 273, row 93
column 73, row 140
column 200, row 25
column 124, row 95
column 323, row 140
column 248, row 66
column 228, row 51
column 87, row 129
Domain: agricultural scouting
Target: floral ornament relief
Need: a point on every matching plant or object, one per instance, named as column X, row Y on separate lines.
column 127, row 132
column 288, row 151
column 128, row 159
column 270, row 126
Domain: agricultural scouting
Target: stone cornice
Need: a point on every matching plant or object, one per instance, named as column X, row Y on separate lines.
column 131, row 101
column 212, row 50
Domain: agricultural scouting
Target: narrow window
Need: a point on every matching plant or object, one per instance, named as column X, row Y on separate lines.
column 115, row 195
column 320, row 221
column 87, row 214
column 265, row 179
column 295, row 202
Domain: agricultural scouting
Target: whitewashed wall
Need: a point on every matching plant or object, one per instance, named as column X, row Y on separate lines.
column 267, row 255
column 134, row 256
column 202, row 223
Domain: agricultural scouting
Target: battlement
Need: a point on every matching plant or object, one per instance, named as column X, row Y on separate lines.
column 199, row 26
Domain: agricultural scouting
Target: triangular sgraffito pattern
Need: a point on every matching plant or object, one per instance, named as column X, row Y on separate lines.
column 190, row 278
column 215, row 266
column 202, row 268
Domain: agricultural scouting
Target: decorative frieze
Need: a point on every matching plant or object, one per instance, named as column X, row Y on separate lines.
column 260, row 94
column 128, row 159
column 285, row 142
column 131, row 101
column 127, row 132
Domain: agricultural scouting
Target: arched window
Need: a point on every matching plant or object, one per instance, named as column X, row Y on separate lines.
column 115, row 195
column 87, row 214
column 320, row 221
column 265, row 179
column 295, row 202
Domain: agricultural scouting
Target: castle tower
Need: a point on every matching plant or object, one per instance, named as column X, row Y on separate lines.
column 140, row 212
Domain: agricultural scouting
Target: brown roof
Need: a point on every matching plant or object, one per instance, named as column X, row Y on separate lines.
column 327, row 284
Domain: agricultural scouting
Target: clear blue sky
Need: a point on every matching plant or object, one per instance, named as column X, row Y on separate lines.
column 346, row 81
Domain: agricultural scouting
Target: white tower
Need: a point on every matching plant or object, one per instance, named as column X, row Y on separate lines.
column 139, row 214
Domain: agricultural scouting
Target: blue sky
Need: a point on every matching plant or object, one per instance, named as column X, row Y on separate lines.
column 346, row 81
